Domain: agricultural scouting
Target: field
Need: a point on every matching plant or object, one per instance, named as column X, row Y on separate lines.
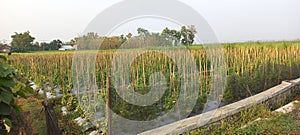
column 250, row 68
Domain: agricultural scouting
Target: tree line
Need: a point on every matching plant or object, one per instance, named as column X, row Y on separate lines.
column 168, row 37
column 24, row 42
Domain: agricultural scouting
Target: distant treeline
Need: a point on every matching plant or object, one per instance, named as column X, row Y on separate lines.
column 24, row 42
column 168, row 37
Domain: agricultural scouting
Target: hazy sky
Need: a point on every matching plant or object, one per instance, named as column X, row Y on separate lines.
column 232, row 20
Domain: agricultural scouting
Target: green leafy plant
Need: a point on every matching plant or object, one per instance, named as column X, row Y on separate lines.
column 12, row 86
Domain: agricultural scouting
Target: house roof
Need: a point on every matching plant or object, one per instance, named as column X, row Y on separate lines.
column 67, row 47
column 5, row 47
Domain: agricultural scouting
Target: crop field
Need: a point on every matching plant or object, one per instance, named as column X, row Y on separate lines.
column 251, row 68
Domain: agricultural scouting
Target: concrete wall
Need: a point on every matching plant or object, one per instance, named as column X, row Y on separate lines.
column 273, row 98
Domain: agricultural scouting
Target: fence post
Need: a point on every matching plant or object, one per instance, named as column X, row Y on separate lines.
column 51, row 120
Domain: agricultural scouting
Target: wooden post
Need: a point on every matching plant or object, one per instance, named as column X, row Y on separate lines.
column 45, row 94
column 51, row 120
column 109, row 106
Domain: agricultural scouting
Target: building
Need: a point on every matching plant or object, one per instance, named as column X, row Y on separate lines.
column 5, row 49
column 66, row 47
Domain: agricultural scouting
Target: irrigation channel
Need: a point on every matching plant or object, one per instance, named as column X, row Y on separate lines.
column 100, row 116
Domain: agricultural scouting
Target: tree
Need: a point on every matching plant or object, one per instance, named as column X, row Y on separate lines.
column 143, row 32
column 188, row 34
column 191, row 34
column 184, row 40
column 173, row 36
column 35, row 47
column 91, row 41
column 123, row 39
column 176, row 36
column 21, row 42
column 128, row 36
column 71, row 42
column 55, row 44
column 166, row 33
column 156, row 39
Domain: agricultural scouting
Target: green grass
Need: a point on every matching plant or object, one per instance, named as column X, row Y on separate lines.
column 279, row 124
column 32, row 118
column 270, row 123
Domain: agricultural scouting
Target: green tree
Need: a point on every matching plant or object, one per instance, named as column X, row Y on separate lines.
column 188, row 34
column 43, row 46
column 123, row 39
column 91, row 41
column 143, row 32
column 111, row 42
column 156, row 39
column 129, row 35
column 71, row 42
column 173, row 36
column 176, row 36
column 35, row 47
column 22, row 42
column 166, row 33
column 191, row 34
column 55, row 44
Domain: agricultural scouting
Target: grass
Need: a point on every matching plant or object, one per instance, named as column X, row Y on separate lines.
column 269, row 123
column 279, row 124
column 32, row 118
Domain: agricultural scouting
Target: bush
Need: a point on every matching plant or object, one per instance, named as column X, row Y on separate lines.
column 11, row 86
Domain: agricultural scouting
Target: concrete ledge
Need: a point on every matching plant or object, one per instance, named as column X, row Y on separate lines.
column 271, row 97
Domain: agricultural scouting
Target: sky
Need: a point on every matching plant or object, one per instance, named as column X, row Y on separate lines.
column 231, row 20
